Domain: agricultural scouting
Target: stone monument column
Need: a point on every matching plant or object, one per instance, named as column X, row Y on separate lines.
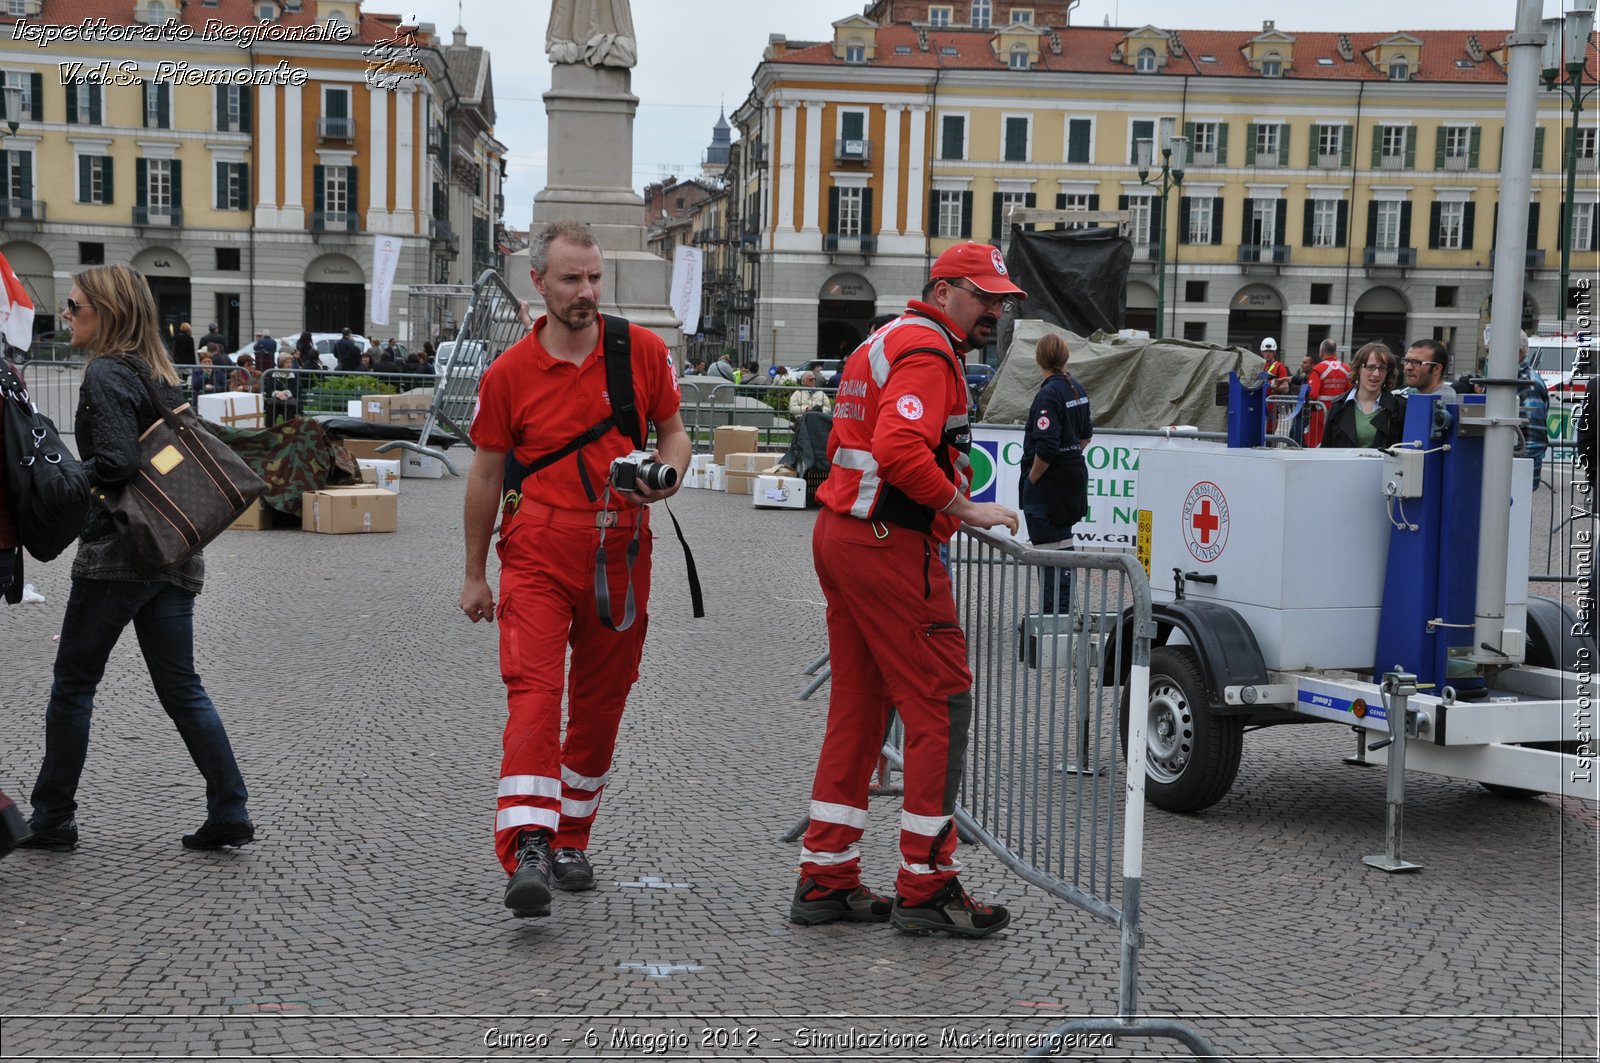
column 590, row 111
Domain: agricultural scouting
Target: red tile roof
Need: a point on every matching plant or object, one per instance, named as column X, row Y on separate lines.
column 374, row 27
column 1088, row 49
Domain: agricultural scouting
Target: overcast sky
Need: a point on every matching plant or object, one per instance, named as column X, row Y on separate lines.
column 696, row 57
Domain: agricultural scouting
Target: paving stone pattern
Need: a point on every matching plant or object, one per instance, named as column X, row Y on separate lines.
column 366, row 921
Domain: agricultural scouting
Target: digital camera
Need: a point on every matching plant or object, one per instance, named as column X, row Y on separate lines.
column 640, row 469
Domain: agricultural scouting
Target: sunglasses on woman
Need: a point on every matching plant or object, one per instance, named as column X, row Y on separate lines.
column 73, row 307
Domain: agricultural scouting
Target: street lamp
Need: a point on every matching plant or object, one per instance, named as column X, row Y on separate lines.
column 1566, row 46
column 13, row 107
column 1172, row 156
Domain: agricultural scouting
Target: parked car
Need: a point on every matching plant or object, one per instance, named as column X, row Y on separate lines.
column 825, row 368
column 324, row 342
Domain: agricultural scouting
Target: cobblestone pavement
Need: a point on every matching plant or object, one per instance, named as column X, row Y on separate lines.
column 366, row 921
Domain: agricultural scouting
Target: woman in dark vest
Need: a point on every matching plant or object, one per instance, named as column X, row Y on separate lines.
column 113, row 319
column 1054, row 487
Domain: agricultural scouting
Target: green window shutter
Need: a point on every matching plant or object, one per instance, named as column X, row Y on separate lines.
column 246, row 107
column 222, row 186
column 1341, row 229
column 1469, row 218
column 221, row 104
column 1283, row 143
column 1533, row 226
column 141, row 182
column 833, row 210
column 84, row 163
column 867, row 228
column 1183, row 219
column 1347, row 145
column 1372, row 223
column 1377, row 147
column 997, row 223
column 1188, row 135
column 72, row 102
column 933, row 214
column 1281, row 222
column 1143, row 131
column 1474, row 147
column 1405, row 224
column 164, row 104
column 1314, row 146
column 1438, row 148
column 1030, row 199
column 144, row 103
column 177, row 184
column 36, row 95
column 1411, row 147
column 850, row 125
column 1016, row 147
column 1222, row 143
column 1538, row 147
column 1078, row 140
column 25, row 172
column 966, row 215
column 952, row 143
column 352, row 176
column 1435, row 216
column 107, row 183
column 94, row 104
column 319, row 189
column 1250, row 144
column 1308, row 233
column 1249, row 212
column 1061, row 204
column 1216, row 220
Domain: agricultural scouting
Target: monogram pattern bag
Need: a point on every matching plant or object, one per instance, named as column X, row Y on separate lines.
column 189, row 487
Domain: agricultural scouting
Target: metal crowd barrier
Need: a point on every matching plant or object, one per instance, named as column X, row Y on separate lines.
column 1045, row 787
column 706, row 404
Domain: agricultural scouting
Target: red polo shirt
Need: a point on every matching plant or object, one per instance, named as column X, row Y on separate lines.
column 533, row 403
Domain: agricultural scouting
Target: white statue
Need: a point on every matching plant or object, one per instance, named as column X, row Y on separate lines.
column 596, row 32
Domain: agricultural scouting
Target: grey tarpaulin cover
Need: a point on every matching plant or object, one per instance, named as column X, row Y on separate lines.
column 1131, row 383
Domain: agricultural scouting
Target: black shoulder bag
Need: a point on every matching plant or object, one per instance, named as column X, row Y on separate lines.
column 47, row 489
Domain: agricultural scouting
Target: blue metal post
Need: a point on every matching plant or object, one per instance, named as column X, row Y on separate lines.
column 1457, row 562
column 1247, row 414
column 1411, row 579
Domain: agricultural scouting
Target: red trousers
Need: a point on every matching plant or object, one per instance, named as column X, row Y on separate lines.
column 893, row 638
column 547, row 603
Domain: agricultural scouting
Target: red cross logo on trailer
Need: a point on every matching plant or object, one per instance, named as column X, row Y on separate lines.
column 1205, row 521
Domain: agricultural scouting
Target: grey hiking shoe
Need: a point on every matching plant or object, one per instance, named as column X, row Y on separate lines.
column 815, row 904
column 572, row 871
column 952, row 910
column 528, row 892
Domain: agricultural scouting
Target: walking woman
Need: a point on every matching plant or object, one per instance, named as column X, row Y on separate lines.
column 113, row 320
column 1369, row 415
column 1055, row 476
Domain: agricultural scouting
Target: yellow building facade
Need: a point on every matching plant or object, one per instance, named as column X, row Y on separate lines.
column 1340, row 186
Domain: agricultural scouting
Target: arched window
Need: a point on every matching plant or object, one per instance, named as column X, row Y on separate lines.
column 1146, row 62
column 1019, row 57
column 1399, row 69
column 981, row 13
column 855, row 52
column 1272, row 66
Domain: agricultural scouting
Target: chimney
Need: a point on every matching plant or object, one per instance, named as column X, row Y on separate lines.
column 1268, row 25
column 458, row 39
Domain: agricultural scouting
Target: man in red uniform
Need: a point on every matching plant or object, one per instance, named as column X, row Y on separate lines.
column 896, row 493
column 1327, row 384
column 1279, row 378
column 540, row 395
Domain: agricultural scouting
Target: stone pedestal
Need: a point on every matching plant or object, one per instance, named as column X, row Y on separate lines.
column 590, row 112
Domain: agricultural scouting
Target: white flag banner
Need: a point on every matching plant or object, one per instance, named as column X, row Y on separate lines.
column 385, row 260
column 16, row 309
column 686, row 264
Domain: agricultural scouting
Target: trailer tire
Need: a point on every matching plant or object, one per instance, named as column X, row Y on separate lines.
column 1192, row 754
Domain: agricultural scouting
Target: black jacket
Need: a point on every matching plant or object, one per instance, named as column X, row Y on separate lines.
column 1387, row 422
column 1059, row 426
column 113, row 411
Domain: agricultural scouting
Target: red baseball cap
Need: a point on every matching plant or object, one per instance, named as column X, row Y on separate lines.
column 982, row 264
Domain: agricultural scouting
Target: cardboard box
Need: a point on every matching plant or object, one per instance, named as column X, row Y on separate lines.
column 753, row 462
column 349, row 510
column 232, row 409
column 367, row 449
column 730, row 439
column 384, row 474
column 779, row 492
column 421, row 466
column 716, row 478
column 352, row 408
column 741, row 483
column 408, row 410
column 256, row 518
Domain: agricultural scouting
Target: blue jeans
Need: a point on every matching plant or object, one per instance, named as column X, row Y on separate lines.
column 1055, row 584
column 163, row 618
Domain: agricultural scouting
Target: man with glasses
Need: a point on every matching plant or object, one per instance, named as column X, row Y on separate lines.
column 896, row 493
column 1427, row 367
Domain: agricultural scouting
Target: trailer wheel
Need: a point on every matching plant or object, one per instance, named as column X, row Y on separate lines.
column 1191, row 755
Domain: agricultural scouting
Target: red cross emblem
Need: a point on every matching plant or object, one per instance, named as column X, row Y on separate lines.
column 1205, row 521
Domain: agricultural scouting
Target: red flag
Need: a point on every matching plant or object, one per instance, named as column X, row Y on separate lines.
column 16, row 309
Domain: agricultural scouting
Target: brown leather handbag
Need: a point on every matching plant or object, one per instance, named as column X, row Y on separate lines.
column 189, row 487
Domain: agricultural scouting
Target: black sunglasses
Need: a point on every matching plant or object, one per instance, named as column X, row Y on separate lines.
column 73, row 306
